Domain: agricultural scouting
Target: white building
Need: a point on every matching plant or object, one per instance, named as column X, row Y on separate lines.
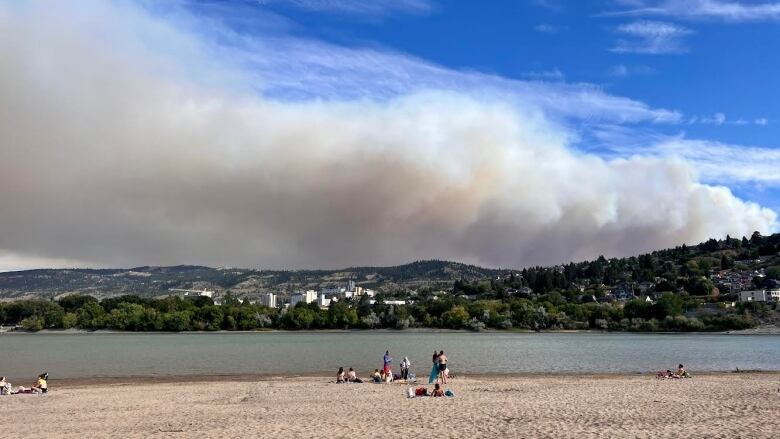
column 753, row 296
column 268, row 299
column 351, row 286
column 774, row 294
column 389, row 302
column 324, row 302
column 332, row 291
column 307, row 297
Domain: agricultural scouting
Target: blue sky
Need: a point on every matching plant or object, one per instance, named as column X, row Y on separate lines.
column 655, row 71
column 333, row 133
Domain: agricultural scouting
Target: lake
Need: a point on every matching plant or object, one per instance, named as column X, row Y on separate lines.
column 129, row 354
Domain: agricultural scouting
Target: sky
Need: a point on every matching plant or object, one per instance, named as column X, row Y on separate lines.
column 334, row 133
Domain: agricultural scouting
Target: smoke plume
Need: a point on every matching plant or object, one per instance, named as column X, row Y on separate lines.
column 113, row 153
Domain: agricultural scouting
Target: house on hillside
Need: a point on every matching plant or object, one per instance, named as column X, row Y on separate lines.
column 623, row 291
column 753, row 296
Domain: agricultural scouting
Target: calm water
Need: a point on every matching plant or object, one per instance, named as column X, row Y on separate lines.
column 115, row 355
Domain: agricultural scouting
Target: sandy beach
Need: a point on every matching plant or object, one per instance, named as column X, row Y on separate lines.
column 719, row 405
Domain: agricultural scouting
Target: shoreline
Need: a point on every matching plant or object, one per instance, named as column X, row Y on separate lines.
column 765, row 330
column 327, row 378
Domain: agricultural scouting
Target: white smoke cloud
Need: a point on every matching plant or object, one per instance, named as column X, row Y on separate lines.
column 112, row 154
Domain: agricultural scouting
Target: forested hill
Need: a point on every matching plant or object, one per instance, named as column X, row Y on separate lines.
column 731, row 265
column 156, row 281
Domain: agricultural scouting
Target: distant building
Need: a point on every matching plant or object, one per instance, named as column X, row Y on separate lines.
column 773, row 294
column 351, row 286
column 307, row 297
column 332, row 291
column 623, row 291
column 753, row 296
column 268, row 300
column 324, row 302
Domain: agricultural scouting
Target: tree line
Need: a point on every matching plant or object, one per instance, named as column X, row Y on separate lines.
column 549, row 311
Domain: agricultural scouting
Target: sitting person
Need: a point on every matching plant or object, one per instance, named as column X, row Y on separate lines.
column 376, row 377
column 352, row 376
column 41, row 386
column 340, row 375
column 5, row 387
column 437, row 391
column 682, row 373
column 389, row 376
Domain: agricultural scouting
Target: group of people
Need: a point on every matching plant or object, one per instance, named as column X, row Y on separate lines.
column 349, row 377
column 439, row 372
column 680, row 373
column 41, row 386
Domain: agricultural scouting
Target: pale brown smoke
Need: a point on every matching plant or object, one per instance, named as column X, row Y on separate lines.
column 111, row 156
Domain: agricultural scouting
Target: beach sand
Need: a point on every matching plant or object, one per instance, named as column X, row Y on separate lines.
column 712, row 406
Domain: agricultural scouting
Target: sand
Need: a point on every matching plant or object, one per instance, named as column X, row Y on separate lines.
column 712, row 406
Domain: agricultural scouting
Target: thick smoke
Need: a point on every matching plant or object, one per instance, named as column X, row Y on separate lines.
column 112, row 154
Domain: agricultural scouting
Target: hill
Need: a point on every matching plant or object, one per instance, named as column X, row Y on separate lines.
column 156, row 281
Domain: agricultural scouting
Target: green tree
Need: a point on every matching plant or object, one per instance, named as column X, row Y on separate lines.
column 456, row 318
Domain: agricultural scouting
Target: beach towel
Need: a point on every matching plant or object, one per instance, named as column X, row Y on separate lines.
column 434, row 374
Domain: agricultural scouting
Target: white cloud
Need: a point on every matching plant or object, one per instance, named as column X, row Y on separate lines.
column 724, row 163
column 115, row 154
column 548, row 28
column 359, row 7
column 651, row 37
column 721, row 119
column 624, row 71
column 732, row 11
column 547, row 75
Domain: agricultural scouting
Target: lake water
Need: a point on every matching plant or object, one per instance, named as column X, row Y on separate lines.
column 117, row 355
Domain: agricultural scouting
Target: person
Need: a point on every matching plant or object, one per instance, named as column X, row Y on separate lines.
column 435, row 368
column 377, row 377
column 405, row 364
column 437, row 391
column 340, row 375
column 387, row 360
column 41, row 386
column 5, row 387
column 681, row 372
column 442, row 366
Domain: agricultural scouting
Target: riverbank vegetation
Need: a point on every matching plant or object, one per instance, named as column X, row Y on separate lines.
column 550, row 311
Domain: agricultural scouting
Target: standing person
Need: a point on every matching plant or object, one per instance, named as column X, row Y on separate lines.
column 442, row 367
column 435, row 368
column 387, row 360
column 405, row 364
